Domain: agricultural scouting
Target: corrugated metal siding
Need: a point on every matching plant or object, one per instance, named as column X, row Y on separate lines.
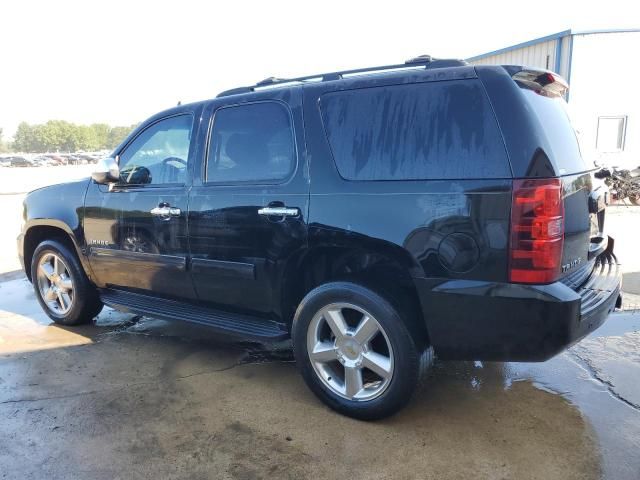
column 592, row 53
column 565, row 56
column 540, row 55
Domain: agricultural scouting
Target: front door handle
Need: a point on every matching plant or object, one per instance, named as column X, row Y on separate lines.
column 279, row 212
column 165, row 211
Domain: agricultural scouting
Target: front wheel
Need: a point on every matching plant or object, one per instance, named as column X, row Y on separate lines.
column 61, row 286
column 354, row 351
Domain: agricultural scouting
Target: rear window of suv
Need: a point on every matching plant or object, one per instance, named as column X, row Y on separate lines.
column 555, row 122
column 433, row 130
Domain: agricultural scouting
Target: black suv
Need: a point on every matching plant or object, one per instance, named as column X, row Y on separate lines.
column 372, row 218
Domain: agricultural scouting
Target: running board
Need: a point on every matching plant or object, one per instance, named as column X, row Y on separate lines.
column 238, row 325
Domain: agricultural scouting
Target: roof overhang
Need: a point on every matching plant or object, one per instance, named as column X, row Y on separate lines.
column 553, row 36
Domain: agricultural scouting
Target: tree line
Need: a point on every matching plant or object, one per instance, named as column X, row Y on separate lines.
column 62, row 136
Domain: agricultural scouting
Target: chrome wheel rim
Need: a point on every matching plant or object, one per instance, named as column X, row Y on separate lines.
column 55, row 284
column 350, row 352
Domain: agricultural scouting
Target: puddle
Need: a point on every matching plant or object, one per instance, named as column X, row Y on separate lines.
column 601, row 377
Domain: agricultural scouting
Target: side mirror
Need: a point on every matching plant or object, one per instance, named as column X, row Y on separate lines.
column 106, row 171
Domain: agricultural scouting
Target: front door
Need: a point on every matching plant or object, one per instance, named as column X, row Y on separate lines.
column 247, row 211
column 136, row 230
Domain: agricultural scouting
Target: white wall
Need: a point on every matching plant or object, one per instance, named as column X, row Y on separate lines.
column 604, row 82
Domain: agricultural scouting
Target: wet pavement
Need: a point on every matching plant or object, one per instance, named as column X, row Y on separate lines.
column 134, row 397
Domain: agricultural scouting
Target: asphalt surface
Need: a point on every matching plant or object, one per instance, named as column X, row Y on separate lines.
column 133, row 397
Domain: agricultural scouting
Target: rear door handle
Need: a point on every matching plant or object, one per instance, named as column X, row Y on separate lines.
column 165, row 211
column 279, row 212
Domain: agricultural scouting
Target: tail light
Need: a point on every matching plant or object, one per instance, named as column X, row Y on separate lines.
column 537, row 231
column 542, row 82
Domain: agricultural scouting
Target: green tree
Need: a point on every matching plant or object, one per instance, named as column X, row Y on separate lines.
column 24, row 139
column 55, row 135
column 101, row 132
column 59, row 135
column 117, row 135
column 86, row 138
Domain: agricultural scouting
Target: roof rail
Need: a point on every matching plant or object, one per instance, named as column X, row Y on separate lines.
column 422, row 61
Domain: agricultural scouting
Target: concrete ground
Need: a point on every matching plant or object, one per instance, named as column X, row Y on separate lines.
column 131, row 397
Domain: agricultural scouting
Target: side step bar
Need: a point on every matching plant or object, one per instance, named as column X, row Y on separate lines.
column 237, row 325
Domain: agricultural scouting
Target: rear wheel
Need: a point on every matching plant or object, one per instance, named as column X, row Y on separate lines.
column 354, row 351
column 635, row 199
column 61, row 286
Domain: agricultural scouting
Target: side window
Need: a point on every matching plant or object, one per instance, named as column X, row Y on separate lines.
column 159, row 154
column 251, row 143
column 433, row 130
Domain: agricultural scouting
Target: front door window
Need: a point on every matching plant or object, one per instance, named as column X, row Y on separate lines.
column 159, row 154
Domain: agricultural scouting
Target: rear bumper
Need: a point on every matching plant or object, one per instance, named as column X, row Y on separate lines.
column 473, row 320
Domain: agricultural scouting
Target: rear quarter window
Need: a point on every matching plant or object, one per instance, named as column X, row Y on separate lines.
column 556, row 125
column 435, row 130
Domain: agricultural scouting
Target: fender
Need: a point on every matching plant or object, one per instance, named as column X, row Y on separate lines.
column 58, row 206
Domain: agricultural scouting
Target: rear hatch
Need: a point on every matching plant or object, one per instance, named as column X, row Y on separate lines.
column 556, row 154
column 584, row 199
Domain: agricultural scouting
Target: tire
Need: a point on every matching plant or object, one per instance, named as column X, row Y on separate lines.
column 397, row 359
column 635, row 199
column 80, row 303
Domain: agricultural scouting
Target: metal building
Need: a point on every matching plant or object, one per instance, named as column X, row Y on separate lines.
column 604, row 103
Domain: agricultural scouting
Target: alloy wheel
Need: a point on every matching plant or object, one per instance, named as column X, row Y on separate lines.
column 350, row 352
column 55, row 284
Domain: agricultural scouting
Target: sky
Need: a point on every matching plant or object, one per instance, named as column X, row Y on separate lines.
column 118, row 62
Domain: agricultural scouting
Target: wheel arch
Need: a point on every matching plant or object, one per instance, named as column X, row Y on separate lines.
column 387, row 273
column 37, row 231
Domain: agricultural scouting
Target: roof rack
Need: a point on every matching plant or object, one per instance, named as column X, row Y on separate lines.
column 420, row 62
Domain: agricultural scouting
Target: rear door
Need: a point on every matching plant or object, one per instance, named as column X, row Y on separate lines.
column 248, row 206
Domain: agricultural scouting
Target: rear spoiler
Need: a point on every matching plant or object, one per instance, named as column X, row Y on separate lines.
column 544, row 82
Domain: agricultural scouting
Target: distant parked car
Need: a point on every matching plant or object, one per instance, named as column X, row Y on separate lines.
column 20, row 162
column 57, row 159
column 74, row 159
column 43, row 161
